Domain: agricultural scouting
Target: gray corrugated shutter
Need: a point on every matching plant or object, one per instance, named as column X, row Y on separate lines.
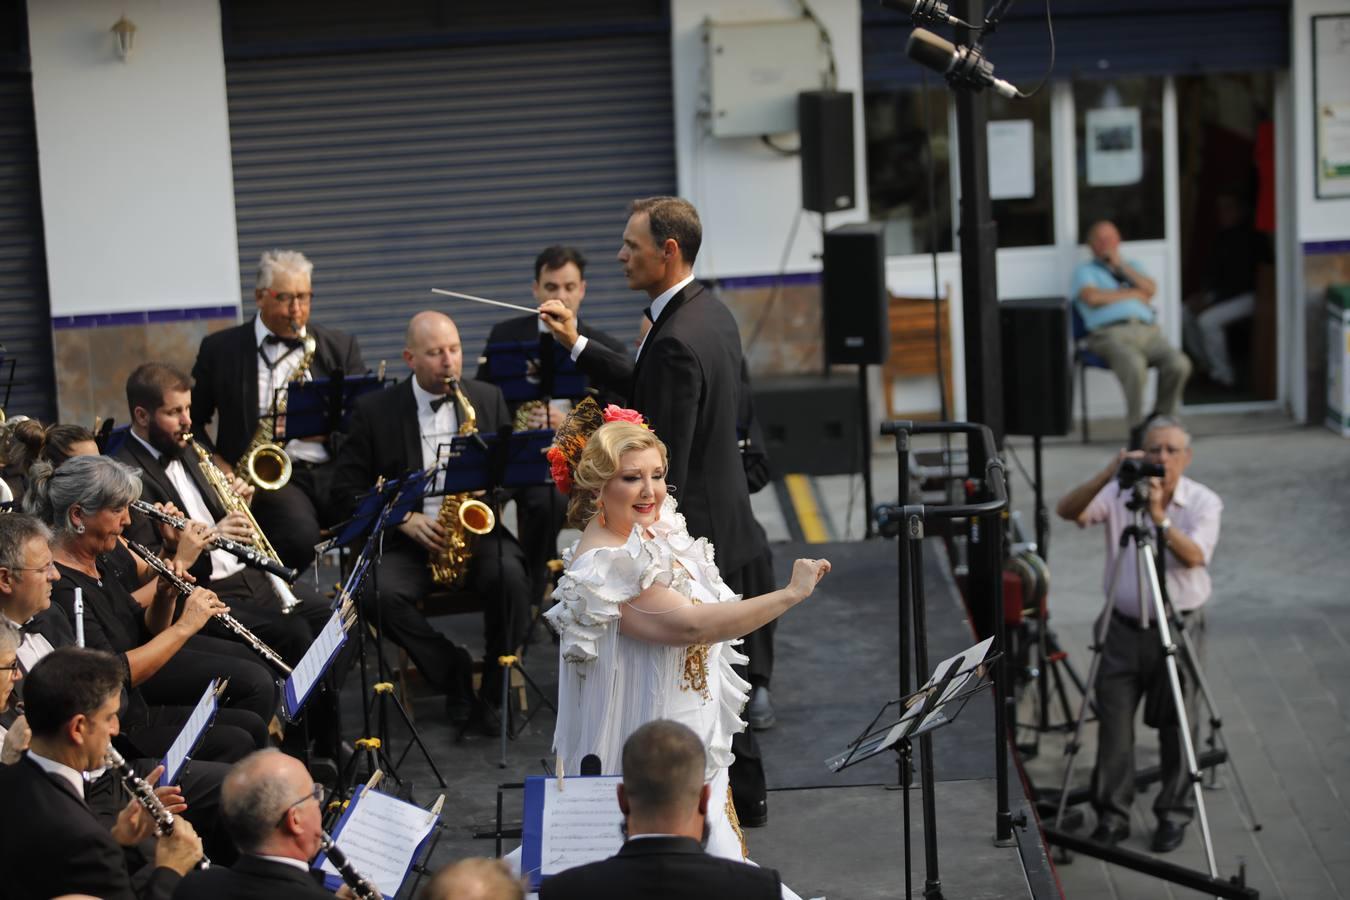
column 25, row 311
column 1104, row 39
column 396, row 172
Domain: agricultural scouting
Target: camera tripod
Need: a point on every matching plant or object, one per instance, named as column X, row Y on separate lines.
column 1152, row 604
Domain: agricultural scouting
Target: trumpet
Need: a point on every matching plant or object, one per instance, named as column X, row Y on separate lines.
column 232, row 502
column 361, row 886
column 229, row 621
column 248, row 555
column 139, row 788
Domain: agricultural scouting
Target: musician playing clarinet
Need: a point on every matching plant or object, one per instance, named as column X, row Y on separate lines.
column 237, row 374
column 54, row 844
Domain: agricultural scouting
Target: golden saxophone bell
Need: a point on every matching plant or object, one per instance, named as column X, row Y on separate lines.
column 267, row 466
column 476, row 516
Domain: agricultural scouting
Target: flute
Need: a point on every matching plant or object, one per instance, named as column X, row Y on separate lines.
column 361, row 885
column 248, row 555
column 229, row 621
column 139, row 788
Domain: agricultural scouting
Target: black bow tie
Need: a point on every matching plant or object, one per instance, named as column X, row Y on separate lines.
column 29, row 627
column 439, row 402
column 274, row 339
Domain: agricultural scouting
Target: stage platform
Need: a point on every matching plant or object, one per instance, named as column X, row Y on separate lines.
column 836, row 836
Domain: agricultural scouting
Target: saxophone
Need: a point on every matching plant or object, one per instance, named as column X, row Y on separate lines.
column 265, row 464
column 461, row 515
column 232, row 502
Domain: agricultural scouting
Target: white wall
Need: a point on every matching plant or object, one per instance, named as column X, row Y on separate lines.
column 134, row 157
column 1318, row 220
column 746, row 194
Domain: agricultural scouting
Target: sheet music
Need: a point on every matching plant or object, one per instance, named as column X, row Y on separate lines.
column 314, row 663
column 968, row 659
column 191, row 733
column 380, row 836
column 581, row 822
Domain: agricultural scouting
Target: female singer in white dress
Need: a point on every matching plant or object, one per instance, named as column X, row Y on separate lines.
column 646, row 624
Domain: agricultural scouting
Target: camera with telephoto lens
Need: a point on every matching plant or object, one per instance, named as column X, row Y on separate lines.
column 1134, row 470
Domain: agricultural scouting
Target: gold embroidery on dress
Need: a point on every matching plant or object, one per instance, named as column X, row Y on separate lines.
column 736, row 824
column 696, row 670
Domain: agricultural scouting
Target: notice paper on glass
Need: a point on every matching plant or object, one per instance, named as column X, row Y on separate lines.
column 381, row 837
column 1011, row 173
column 191, row 734
column 569, row 825
column 1114, row 143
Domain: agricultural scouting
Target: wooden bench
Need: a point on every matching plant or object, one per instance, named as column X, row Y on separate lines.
column 913, row 352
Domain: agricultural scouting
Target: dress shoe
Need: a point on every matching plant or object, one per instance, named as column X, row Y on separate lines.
column 1109, row 834
column 1168, row 837
column 754, row 814
column 759, row 712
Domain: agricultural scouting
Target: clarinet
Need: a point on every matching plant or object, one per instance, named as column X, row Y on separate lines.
column 229, row 621
column 249, row 556
column 361, row 885
column 145, row 795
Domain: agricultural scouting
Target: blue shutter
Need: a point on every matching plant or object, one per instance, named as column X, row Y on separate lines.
column 397, row 172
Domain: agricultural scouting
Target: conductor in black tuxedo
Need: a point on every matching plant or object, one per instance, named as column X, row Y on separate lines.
column 54, row 844
column 688, row 380
column 405, row 428
column 664, row 802
column 274, row 813
column 236, row 375
column 559, row 274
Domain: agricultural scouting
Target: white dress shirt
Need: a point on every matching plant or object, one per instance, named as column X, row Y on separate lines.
column 435, row 428
column 658, row 306
column 61, row 770
column 223, row 564
column 283, row 363
column 32, row 647
column 287, row 861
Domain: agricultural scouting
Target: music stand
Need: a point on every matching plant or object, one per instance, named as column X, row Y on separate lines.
column 492, row 463
column 532, row 370
column 324, row 405
column 926, row 710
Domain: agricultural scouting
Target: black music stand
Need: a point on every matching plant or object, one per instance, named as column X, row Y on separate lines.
column 386, row 503
column 324, row 405
column 532, row 370
column 493, row 463
column 926, row 710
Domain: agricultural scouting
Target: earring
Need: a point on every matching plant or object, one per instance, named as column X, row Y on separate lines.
column 600, row 514
column 79, row 529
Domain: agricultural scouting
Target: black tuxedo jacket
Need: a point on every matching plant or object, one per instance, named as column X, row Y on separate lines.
column 225, row 380
column 251, row 878
column 384, row 440
column 525, row 329
column 688, row 382
column 662, row 868
column 157, row 488
column 54, row 845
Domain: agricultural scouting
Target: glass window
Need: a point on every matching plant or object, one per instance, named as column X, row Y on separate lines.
column 897, row 167
column 1024, row 221
column 1119, row 135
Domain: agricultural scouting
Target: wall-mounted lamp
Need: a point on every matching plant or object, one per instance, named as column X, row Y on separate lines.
column 125, row 32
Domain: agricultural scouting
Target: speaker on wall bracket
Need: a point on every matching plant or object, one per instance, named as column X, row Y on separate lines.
column 825, row 124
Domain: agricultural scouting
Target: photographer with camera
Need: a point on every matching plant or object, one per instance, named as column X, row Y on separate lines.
column 1185, row 515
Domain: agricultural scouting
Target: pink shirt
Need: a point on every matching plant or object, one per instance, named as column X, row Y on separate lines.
column 1194, row 511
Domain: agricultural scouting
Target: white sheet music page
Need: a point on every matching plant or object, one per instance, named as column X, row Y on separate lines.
column 190, row 733
column 311, row 665
column 380, row 838
column 581, row 822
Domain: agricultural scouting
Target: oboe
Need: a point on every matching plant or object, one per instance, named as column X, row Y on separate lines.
column 248, row 555
column 145, row 795
column 229, row 621
column 361, row 885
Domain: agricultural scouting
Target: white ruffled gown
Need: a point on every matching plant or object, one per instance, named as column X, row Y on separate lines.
column 610, row 684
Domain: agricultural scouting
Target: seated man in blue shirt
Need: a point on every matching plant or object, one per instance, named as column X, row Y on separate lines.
column 1114, row 298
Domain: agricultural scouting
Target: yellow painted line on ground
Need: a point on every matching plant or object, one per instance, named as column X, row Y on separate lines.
column 804, row 507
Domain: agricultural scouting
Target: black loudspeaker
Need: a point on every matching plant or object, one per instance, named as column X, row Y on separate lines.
column 825, row 124
column 810, row 423
column 853, row 295
column 1037, row 366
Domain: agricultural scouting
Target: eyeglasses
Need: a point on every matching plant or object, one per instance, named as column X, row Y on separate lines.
column 49, row 567
column 286, row 297
column 315, row 794
column 12, row 668
column 1160, row 449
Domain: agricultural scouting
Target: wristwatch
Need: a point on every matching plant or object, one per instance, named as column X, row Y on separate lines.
column 1165, row 526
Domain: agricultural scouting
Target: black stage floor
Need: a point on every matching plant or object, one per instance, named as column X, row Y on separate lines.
column 836, row 836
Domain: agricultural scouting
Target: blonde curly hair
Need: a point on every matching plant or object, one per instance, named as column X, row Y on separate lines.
column 600, row 462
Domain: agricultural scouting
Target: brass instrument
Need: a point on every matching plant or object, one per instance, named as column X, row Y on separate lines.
column 232, row 502
column 461, row 516
column 525, row 412
column 145, row 795
column 265, row 464
column 164, row 571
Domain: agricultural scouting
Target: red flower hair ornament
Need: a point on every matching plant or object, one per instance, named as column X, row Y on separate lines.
column 572, row 435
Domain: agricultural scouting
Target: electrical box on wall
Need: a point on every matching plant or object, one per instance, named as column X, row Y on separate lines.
column 756, row 70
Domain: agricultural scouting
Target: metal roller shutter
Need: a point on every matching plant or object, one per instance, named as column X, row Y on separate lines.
column 25, row 312
column 396, row 172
